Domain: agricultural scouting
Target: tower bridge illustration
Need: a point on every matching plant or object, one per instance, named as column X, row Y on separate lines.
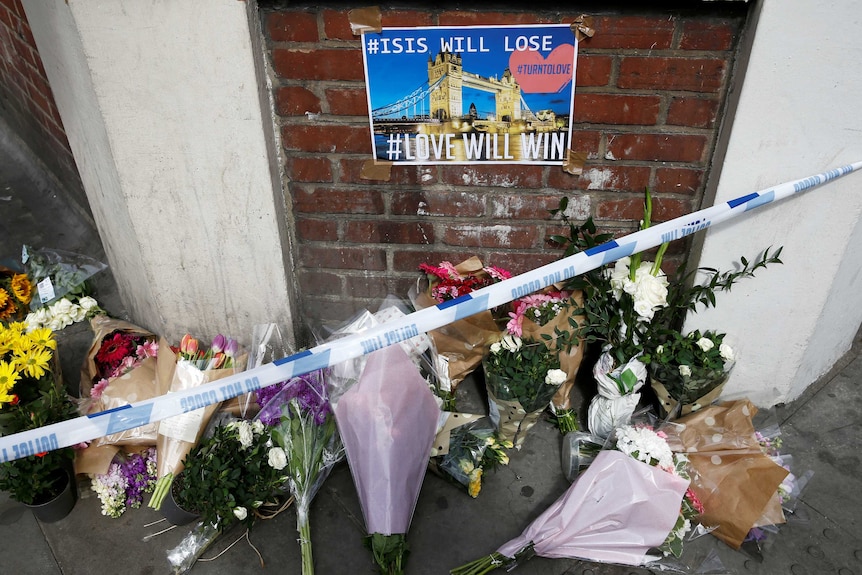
column 437, row 105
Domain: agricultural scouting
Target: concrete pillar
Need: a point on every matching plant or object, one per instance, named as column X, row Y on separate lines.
column 797, row 115
column 166, row 107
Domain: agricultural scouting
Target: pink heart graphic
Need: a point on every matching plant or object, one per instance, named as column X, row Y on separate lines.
column 537, row 74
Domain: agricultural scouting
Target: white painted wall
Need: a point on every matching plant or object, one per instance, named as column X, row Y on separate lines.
column 798, row 115
column 163, row 109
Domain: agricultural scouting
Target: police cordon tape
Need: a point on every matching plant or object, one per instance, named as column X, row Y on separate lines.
column 85, row 428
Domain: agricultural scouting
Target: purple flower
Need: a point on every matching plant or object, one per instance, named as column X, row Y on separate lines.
column 218, row 344
column 231, row 347
column 308, row 391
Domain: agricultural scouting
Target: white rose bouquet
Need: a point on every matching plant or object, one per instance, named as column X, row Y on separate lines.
column 690, row 369
column 521, row 376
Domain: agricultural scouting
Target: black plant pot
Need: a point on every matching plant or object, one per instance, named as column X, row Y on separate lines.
column 61, row 505
column 175, row 514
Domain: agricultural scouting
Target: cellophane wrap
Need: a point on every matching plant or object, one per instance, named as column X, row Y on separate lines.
column 616, row 511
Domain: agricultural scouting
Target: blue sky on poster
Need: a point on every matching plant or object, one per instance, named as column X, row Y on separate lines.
column 396, row 60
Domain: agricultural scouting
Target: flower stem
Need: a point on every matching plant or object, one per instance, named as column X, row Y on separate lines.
column 304, row 529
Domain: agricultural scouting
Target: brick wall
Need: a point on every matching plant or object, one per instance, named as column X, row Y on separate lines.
column 650, row 92
column 27, row 103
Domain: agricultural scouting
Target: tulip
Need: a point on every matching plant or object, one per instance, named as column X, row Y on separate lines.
column 189, row 346
column 218, row 344
column 231, row 347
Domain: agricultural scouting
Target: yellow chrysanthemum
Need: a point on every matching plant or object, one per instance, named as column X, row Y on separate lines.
column 8, row 377
column 22, row 288
column 34, row 363
column 43, row 337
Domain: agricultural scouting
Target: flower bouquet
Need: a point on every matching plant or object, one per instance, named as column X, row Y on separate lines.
column 58, row 273
column 119, row 369
column 387, row 420
column 63, row 312
column 31, row 396
column 190, row 366
column 690, row 370
column 129, row 477
column 474, row 448
column 736, row 481
column 550, row 314
column 459, row 345
column 616, row 512
column 306, row 437
column 521, row 377
column 16, row 291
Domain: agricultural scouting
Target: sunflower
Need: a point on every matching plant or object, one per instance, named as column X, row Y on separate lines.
column 4, row 297
column 8, row 310
column 22, row 288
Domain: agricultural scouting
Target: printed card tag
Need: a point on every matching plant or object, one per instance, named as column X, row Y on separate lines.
column 46, row 290
column 183, row 427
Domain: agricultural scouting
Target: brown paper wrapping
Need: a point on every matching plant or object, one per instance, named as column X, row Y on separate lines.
column 736, row 482
column 171, row 451
column 466, row 341
column 515, row 422
column 569, row 362
column 668, row 404
column 137, row 385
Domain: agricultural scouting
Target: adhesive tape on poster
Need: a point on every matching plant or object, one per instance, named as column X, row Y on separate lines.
column 89, row 427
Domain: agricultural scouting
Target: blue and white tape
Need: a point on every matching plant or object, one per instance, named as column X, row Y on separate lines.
column 86, row 428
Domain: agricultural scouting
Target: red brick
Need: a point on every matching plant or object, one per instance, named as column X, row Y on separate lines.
column 318, row 310
column 593, row 71
column 292, row 27
column 7, row 18
column 706, row 36
column 485, row 236
column 351, row 170
column 389, row 232
column 678, row 180
column 324, row 64
column 657, row 147
column 477, row 18
column 521, row 206
column 617, row 178
column 336, row 25
column 518, row 263
column 628, row 32
column 560, row 180
column 317, row 230
column 337, row 257
column 502, row 176
column 368, row 287
column 347, row 101
column 616, row 109
column 437, row 203
column 296, row 101
column 320, row 283
column 309, row 169
column 632, row 209
column 691, row 74
column 586, row 141
column 693, row 112
column 409, row 18
column 327, row 139
column 328, row 200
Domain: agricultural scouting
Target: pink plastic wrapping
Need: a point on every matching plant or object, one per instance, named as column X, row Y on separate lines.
column 616, row 511
column 387, row 422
